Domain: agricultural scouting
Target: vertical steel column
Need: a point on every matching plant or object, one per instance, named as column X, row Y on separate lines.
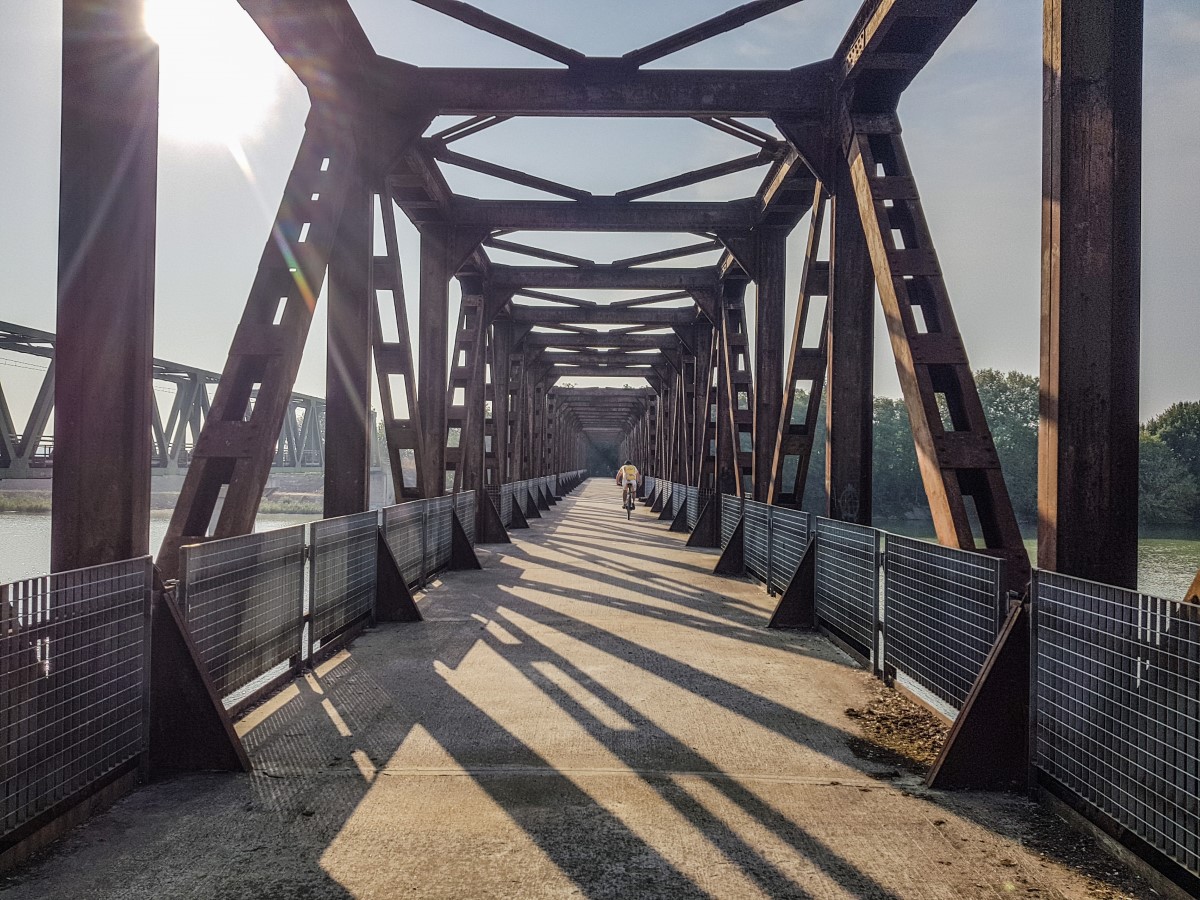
column 771, row 253
column 104, row 351
column 1091, row 294
column 850, row 342
column 348, row 438
column 726, row 433
column 703, row 399
column 501, row 397
column 434, row 319
column 469, row 476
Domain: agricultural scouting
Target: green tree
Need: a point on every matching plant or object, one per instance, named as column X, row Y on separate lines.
column 897, row 491
column 1179, row 429
column 1010, row 401
column 1167, row 491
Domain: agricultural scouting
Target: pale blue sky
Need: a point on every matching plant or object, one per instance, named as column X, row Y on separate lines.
column 972, row 123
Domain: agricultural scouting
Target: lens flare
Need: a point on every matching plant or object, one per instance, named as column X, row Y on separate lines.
column 219, row 76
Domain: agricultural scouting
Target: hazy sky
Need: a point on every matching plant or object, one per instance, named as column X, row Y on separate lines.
column 972, row 124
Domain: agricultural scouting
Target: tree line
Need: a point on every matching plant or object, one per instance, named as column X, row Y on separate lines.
column 1168, row 470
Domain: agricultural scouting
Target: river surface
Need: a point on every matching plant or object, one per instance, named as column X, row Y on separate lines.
column 25, row 539
column 1167, row 558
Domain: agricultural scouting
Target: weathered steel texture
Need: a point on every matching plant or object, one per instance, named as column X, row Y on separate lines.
column 805, row 373
column 735, row 464
column 849, row 414
column 443, row 250
column 607, row 88
column 108, row 184
column 401, row 414
column 1091, row 290
column 888, row 44
column 603, row 277
column 235, row 449
column 957, row 456
column 351, row 315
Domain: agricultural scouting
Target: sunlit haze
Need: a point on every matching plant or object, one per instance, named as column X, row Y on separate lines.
column 219, row 75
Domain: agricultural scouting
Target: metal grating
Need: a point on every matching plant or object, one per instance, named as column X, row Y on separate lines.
column 464, row 505
column 693, row 507
column 789, row 540
column 73, row 656
column 943, row 608
column 731, row 514
column 678, row 499
column 1116, row 707
column 243, row 599
column 506, row 505
column 404, row 531
column 437, row 533
column 847, row 579
column 756, row 522
column 343, row 573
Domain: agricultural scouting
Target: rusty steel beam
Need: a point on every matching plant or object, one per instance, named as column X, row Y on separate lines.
column 849, row 415
column 603, row 278
column 710, row 28
column 603, row 339
column 104, row 352
column 602, row 214
column 352, row 312
column 502, row 28
column 1091, row 290
column 607, row 88
column 601, row 315
column 888, row 44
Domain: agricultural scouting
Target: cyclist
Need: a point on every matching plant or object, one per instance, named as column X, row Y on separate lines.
column 628, row 476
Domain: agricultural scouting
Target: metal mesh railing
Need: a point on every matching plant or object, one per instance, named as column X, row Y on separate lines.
column 404, row 531
column 678, row 499
column 693, row 507
column 731, row 514
column 73, row 684
column 243, row 600
column 666, row 496
column 942, row 612
column 847, row 581
column 1116, row 707
column 755, row 524
column 437, row 533
column 343, row 573
column 464, row 505
column 506, row 505
column 789, row 540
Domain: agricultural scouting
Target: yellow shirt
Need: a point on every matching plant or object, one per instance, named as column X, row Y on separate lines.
column 629, row 474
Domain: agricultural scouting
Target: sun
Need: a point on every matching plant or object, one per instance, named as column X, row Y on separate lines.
column 219, row 76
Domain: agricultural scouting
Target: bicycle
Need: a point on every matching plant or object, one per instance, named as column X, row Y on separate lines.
column 628, row 503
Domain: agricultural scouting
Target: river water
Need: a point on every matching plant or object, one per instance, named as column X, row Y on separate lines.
column 1167, row 559
column 25, row 539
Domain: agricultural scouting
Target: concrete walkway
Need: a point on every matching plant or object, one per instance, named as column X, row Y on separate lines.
column 592, row 715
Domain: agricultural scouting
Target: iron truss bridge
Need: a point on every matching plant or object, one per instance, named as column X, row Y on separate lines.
column 29, row 452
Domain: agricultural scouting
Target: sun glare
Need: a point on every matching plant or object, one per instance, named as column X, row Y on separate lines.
column 219, row 76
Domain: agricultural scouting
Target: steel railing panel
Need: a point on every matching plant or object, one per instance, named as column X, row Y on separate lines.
column 789, row 540
column 464, row 505
column 942, row 612
column 343, row 572
column 1116, row 707
column 847, row 580
column 243, row 600
column 755, row 525
column 731, row 514
column 693, row 507
column 73, row 679
column 678, row 499
column 666, row 496
column 506, row 505
column 404, row 531
column 438, row 533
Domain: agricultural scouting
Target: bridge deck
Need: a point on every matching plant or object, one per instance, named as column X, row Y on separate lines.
column 593, row 714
